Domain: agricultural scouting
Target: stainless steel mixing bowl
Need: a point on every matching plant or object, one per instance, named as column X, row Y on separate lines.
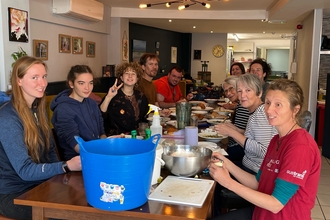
column 186, row 160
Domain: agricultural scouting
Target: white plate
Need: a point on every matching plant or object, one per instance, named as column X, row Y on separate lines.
column 215, row 121
column 199, row 108
column 199, row 112
column 172, row 122
column 211, row 100
column 196, row 102
column 206, row 136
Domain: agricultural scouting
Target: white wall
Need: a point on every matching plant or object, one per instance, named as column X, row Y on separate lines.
column 279, row 59
column 217, row 66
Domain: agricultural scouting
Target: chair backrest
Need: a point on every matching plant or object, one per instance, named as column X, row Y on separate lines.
column 306, row 120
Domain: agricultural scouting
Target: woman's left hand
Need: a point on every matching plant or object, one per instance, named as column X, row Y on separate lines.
column 220, row 174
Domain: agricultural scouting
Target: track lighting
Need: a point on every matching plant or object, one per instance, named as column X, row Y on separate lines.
column 185, row 4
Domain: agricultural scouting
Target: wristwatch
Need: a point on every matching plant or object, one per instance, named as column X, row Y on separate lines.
column 65, row 167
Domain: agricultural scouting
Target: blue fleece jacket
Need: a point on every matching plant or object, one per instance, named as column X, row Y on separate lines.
column 73, row 118
column 17, row 171
column 3, row 98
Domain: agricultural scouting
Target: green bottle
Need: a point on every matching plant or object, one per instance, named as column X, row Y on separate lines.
column 133, row 133
column 148, row 133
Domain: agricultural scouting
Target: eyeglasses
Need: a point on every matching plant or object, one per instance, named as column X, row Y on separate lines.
column 230, row 89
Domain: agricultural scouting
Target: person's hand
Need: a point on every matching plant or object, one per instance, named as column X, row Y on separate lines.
column 165, row 112
column 74, row 164
column 113, row 90
column 182, row 100
column 231, row 106
column 223, row 129
column 189, row 96
column 220, row 174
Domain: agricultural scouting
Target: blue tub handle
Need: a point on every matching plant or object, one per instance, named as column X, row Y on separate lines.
column 155, row 139
column 80, row 143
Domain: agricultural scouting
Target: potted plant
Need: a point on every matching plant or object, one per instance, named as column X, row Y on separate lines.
column 16, row 55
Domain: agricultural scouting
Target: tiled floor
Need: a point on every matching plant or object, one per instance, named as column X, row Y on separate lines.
column 321, row 209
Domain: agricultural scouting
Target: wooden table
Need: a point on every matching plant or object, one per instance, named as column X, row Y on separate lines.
column 63, row 197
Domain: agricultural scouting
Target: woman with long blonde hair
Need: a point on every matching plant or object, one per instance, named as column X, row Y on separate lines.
column 27, row 151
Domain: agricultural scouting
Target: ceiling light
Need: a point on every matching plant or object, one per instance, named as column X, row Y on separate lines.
column 211, row 32
column 185, row 4
column 236, row 37
column 194, row 26
column 169, row 20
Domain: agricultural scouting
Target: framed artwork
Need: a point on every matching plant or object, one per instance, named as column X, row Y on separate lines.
column 197, row 54
column 173, row 54
column 139, row 48
column 77, row 45
column 90, row 49
column 125, row 47
column 157, row 44
column 40, row 49
column 18, row 25
column 64, row 44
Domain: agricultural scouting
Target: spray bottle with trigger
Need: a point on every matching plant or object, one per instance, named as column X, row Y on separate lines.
column 155, row 127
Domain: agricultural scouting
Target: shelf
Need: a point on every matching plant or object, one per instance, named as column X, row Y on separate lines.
column 239, row 61
column 325, row 52
column 242, row 51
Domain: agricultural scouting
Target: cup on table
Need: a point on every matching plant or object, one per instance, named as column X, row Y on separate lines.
column 183, row 114
column 194, row 121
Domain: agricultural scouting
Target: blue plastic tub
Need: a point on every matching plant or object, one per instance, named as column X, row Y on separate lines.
column 117, row 172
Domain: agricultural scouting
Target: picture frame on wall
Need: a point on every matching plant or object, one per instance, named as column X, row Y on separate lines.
column 64, row 43
column 90, row 49
column 40, row 49
column 173, row 54
column 18, row 25
column 197, row 54
column 77, row 45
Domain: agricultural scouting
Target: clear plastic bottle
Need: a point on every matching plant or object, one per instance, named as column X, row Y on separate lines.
column 155, row 127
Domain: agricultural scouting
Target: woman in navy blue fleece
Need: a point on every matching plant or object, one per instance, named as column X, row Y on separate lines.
column 27, row 152
column 75, row 114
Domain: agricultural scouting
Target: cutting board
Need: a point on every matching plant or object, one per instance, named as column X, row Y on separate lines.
column 182, row 191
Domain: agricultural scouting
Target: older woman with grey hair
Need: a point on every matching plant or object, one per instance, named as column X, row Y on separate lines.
column 240, row 118
column 258, row 132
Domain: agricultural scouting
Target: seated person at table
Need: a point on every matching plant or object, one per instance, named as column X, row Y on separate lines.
column 237, row 69
column 75, row 114
column 258, row 132
column 27, row 151
column 287, row 181
column 168, row 89
column 149, row 63
column 124, row 107
column 262, row 69
column 240, row 118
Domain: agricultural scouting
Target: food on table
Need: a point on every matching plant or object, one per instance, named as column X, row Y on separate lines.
column 122, row 135
column 199, row 116
column 202, row 105
column 219, row 163
column 216, row 115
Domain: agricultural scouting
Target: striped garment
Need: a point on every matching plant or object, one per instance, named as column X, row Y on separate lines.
column 240, row 120
column 258, row 134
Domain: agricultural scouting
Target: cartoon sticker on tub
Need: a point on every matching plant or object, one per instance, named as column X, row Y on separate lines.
column 112, row 193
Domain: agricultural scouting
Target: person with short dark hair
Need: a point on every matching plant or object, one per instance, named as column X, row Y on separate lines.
column 237, row 69
column 262, row 69
column 149, row 63
column 168, row 89
column 27, row 150
column 75, row 114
